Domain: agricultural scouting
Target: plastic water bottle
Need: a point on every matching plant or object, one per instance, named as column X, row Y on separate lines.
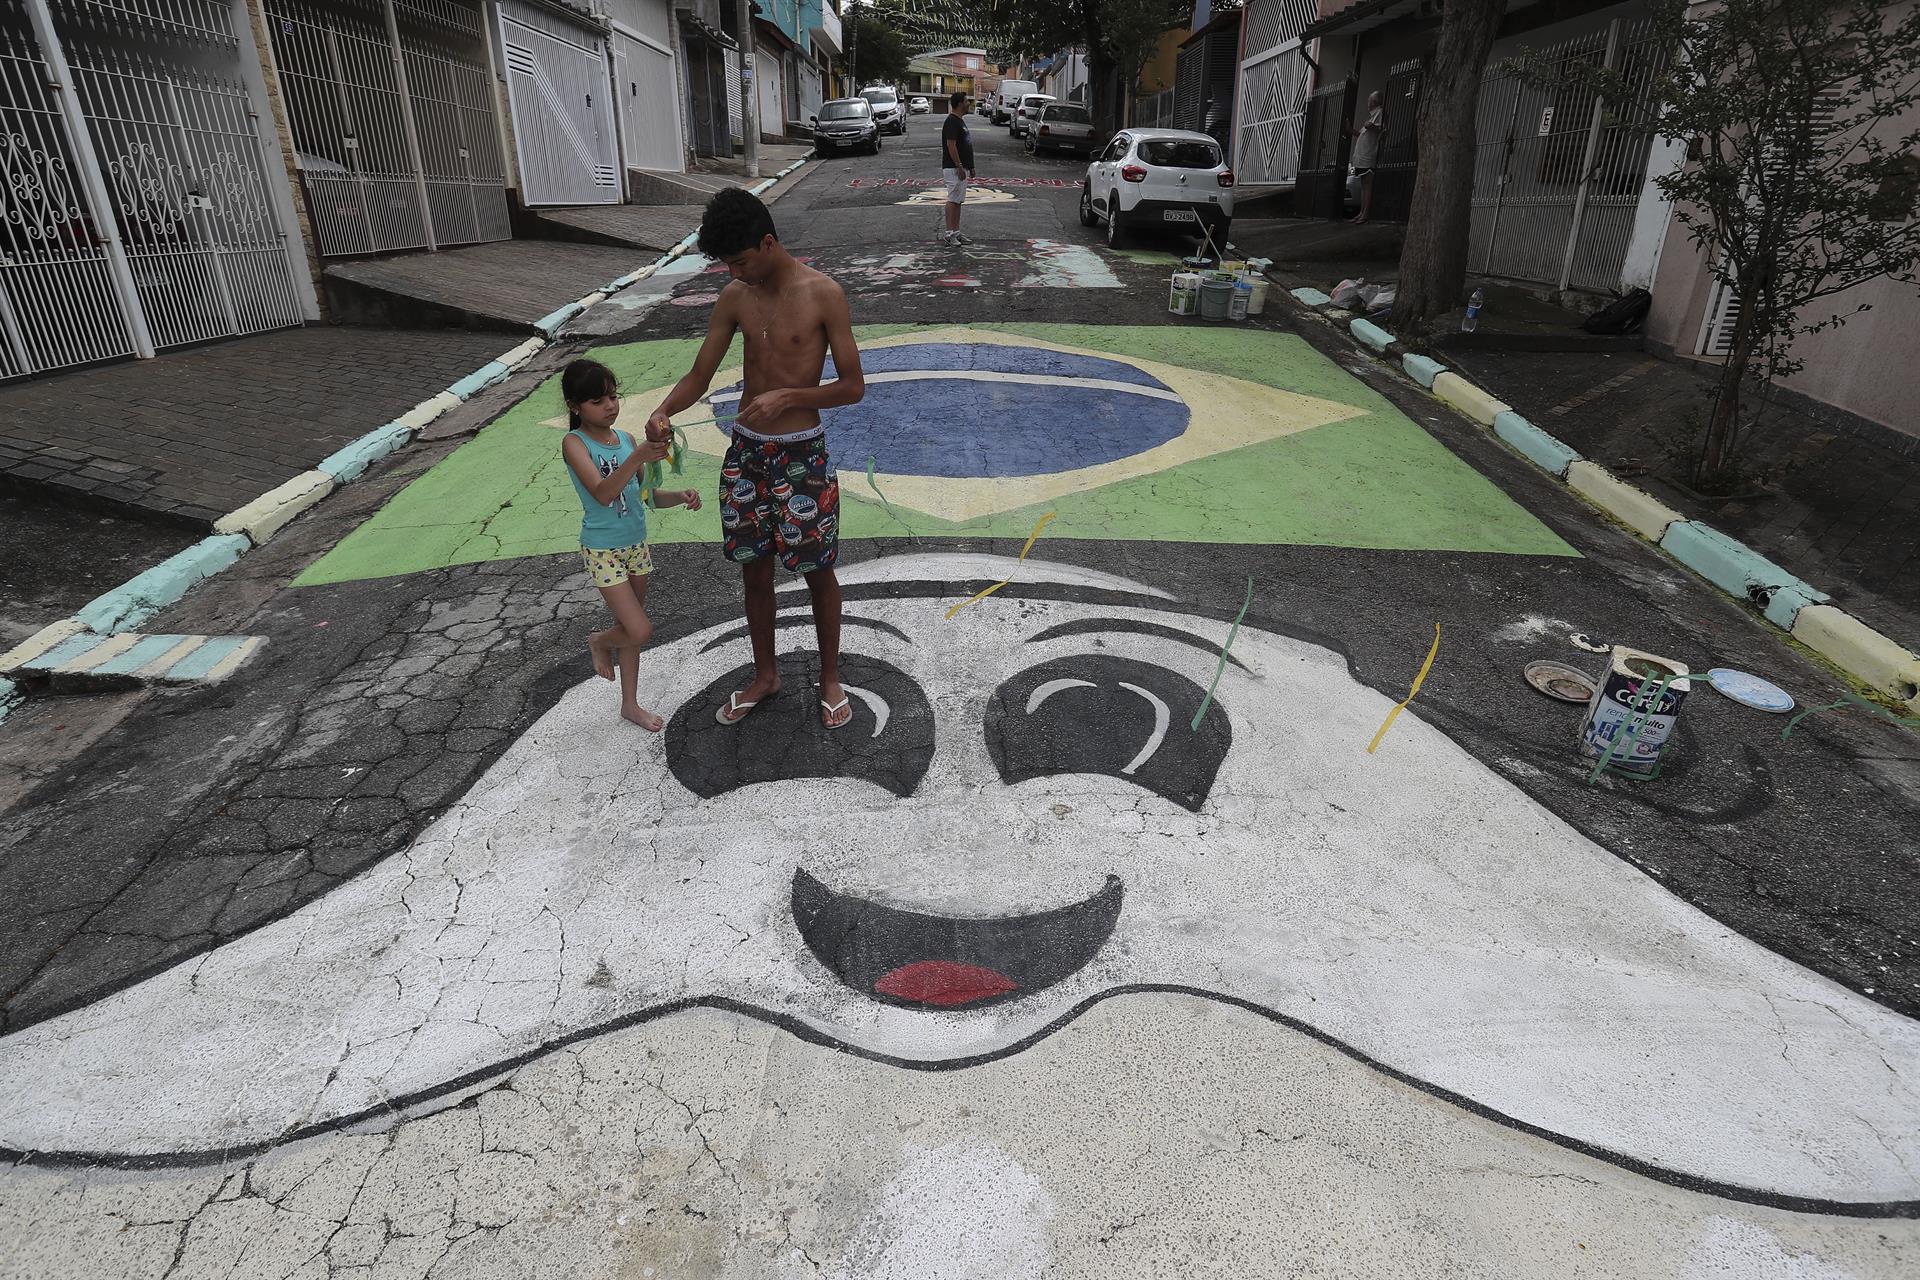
column 1471, row 321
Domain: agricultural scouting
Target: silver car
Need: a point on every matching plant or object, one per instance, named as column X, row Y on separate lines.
column 1061, row 126
column 1030, row 104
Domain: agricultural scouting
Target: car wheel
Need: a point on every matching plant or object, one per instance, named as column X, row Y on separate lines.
column 1087, row 216
column 1116, row 237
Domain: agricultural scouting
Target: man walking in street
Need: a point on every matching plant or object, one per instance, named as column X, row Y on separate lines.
column 956, row 164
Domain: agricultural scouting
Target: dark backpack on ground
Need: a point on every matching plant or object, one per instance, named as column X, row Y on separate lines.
column 1624, row 314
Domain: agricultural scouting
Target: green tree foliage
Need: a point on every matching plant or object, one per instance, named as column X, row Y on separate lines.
column 878, row 53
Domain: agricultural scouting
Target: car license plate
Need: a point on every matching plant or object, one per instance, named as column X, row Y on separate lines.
column 1180, row 215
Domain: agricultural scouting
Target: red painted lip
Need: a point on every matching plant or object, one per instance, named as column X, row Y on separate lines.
column 943, row 983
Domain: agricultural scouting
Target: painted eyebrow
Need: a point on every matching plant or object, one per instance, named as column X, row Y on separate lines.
column 806, row 620
column 1132, row 626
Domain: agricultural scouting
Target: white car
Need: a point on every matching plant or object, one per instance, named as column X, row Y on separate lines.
column 887, row 111
column 1159, row 179
column 918, row 106
column 1028, row 110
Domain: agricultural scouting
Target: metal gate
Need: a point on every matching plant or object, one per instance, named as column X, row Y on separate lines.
column 1399, row 160
column 1272, row 101
column 562, row 122
column 135, row 211
column 643, row 77
column 393, row 123
column 1320, row 187
column 1558, row 170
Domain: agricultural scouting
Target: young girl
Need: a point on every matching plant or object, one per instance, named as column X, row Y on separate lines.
column 605, row 465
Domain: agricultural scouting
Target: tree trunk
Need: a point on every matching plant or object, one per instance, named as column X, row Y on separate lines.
column 1433, row 260
column 1717, row 449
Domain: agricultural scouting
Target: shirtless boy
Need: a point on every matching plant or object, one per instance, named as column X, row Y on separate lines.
column 779, row 492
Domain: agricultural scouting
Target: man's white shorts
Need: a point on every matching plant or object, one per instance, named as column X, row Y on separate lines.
column 956, row 180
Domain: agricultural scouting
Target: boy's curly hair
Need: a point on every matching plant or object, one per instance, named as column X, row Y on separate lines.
column 734, row 221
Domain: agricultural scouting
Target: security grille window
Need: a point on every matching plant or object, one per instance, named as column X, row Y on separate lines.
column 139, row 210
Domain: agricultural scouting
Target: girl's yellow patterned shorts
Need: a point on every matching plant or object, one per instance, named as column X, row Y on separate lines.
column 611, row 568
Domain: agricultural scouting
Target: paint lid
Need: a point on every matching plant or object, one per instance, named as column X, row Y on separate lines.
column 1558, row 680
column 1750, row 690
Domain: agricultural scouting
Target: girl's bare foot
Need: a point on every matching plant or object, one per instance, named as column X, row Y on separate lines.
column 602, row 655
column 643, row 717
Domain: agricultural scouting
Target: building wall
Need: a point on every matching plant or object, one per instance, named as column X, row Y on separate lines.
column 1158, row 71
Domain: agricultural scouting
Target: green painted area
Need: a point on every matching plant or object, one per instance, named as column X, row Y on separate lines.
column 1149, row 257
column 1373, row 481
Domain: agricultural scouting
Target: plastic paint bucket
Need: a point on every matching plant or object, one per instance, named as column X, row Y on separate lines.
column 1233, row 266
column 1183, row 299
column 1258, row 302
column 1242, row 296
column 1216, row 296
column 1624, row 698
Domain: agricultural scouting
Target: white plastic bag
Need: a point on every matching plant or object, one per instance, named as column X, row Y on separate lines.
column 1346, row 294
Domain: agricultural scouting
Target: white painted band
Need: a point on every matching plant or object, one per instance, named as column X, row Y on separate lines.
column 989, row 375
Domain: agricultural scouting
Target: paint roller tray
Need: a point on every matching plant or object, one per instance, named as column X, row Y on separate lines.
column 1561, row 682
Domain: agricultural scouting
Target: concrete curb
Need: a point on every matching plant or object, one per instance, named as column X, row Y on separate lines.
column 1482, row 407
column 1862, row 652
column 1787, row 602
column 349, row 462
column 249, row 526
column 1541, row 449
column 145, row 594
column 1637, row 509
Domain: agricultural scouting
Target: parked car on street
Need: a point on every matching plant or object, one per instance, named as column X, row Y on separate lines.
column 1159, row 179
column 1006, row 99
column 846, row 124
column 1061, row 126
column 918, row 106
column 887, row 111
column 1023, row 114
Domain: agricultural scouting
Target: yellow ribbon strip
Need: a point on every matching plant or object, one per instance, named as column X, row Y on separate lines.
column 1417, row 682
column 1004, row 581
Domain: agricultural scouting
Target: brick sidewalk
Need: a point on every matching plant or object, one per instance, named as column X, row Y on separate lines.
column 193, row 434
column 1842, row 509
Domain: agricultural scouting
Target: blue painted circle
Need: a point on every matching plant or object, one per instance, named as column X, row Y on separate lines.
column 939, row 423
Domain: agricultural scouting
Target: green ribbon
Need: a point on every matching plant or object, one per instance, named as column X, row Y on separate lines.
column 1224, row 651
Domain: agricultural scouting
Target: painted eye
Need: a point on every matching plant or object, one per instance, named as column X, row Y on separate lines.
column 889, row 742
column 1096, row 713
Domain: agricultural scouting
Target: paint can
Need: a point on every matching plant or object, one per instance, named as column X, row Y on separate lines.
column 1242, row 297
column 1216, row 296
column 1624, row 698
column 1184, row 298
column 1258, row 301
column 1233, row 266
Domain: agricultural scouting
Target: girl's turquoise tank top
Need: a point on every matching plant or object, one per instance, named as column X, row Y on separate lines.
column 622, row 523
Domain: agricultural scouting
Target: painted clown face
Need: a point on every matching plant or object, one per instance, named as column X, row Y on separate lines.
column 1031, row 811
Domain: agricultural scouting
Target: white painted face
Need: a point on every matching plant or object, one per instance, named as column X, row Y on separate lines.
column 1020, row 820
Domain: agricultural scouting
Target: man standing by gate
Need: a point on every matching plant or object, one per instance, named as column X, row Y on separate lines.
column 956, row 164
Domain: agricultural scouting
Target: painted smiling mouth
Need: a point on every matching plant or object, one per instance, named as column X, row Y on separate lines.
column 921, row 961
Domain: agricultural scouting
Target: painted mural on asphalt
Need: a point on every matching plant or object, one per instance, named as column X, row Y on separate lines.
column 1035, row 808
column 1263, row 440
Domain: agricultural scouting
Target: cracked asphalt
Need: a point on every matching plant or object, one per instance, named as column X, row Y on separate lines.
column 149, row 836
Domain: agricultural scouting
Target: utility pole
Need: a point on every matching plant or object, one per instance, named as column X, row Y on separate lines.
column 853, row 38
column 749, row 95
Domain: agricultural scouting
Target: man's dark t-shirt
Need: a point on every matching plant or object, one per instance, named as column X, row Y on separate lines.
column 955, row 130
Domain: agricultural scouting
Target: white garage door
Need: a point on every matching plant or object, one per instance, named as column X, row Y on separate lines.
column 558, row 87
column 649, row 104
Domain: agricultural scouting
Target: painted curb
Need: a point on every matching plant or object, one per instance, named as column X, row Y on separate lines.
column 521, row 354
column 479, row 380
column 1468, row 399
column 1789, row 603
column 1729, row 565
column 1637, row 509
column 1862, row 652
column 350, row 462
column 257, row 521
column 1545, row 452
column 145, row 594
column 1371, row 334
column 273, row 510
column 1421, row 369
column 48, row 637
column 550, row 323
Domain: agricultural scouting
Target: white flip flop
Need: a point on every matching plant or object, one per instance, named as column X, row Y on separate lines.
column 740, row 710
column 834, row 709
